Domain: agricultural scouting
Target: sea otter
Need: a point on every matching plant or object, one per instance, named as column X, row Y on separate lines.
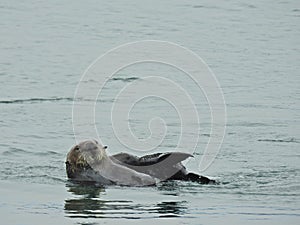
column 88, row 161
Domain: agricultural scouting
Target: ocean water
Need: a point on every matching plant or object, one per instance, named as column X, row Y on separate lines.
column 253, row 50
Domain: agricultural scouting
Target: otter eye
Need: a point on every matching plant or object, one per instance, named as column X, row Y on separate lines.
column 76, row 148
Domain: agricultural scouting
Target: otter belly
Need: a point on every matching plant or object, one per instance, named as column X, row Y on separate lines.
column 122, row 175
column 91, row 175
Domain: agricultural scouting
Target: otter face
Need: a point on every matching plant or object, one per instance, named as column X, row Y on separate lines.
column 83, row 156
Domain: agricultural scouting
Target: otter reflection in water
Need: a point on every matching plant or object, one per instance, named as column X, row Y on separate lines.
column 91, row 201
column 88, row 161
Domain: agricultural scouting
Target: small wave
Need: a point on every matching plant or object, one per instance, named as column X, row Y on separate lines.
column 18, row 151
column 47, row 153
column 198, row 6
column 35, row 100
column 254, row 124
column 14, row 151
column 127, row 79
column 39, row 167
column 38, row 178
column 124, row 79
column 287, row 140
column 56, row 99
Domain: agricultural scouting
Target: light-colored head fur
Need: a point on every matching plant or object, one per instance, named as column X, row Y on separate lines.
column 86, row 153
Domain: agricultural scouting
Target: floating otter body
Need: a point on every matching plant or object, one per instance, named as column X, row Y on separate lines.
column 88, row 161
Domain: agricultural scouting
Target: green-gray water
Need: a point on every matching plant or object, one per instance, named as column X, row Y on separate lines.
column 253, row 49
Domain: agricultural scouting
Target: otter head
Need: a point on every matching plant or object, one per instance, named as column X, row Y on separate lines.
column 84, row 156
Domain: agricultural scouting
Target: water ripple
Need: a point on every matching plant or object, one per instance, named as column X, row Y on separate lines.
column 90, row 205
column 126, row 79
column 20, row 152
column 286, row 140
column 35, row 100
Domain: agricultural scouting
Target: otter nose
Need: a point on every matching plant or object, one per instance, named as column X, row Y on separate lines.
column 91, row 146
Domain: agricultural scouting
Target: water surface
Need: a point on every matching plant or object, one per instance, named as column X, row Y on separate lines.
column 253, row 48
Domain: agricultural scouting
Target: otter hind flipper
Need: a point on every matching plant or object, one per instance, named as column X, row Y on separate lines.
column 171, row 157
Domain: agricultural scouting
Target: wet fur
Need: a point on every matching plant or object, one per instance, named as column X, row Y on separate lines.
column 88, row 161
